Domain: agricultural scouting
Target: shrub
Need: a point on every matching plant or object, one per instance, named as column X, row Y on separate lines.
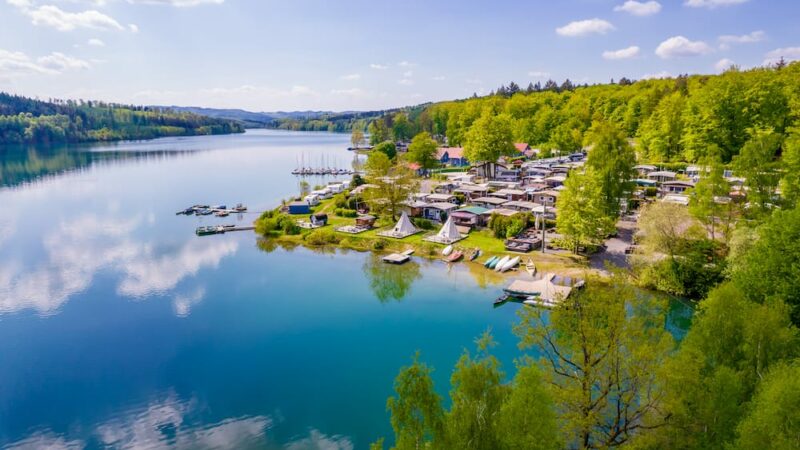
column 322, row 236
column 343, row 212
column 422, row 224
column 379, row 244
column 340, row 200
column 650, row 191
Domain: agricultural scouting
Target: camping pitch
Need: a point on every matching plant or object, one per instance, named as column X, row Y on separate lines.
column 404, row 228
column 447, row 235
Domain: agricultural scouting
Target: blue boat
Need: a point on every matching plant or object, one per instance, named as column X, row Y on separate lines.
column 490, row 261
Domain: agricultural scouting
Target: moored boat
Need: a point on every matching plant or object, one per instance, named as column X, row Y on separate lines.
column 447, row 250
column 490, row 261
column 510, row 264
column 455, row 256
column 501, row 263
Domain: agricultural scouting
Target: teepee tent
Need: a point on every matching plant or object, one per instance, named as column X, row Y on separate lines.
column 404, row 226
column 449, row 233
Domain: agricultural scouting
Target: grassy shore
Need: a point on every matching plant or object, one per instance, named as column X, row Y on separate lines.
column 551, row 261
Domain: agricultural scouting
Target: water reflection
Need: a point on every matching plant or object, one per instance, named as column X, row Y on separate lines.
column 390, row 281
column 320, row 441
column 168, row 423
column 78, row 249
column 21, row 165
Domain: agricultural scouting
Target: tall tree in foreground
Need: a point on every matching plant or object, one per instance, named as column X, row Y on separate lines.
column 612, row 158
column 774, row 418
column 422, row 151
column 601, row 348
column 582, row 217
column 527, row 419
column 489, row 138
column 416, row 410
column 394, row 182
column 758, row 164
column 707, row 200
column 790, row 160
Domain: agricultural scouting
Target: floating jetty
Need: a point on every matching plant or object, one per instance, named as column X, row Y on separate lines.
column 206, row 210
column 220, row 229
column 398, row 258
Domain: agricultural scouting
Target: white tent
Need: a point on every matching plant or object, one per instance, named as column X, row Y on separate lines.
column 449, row 233
column 403, row 228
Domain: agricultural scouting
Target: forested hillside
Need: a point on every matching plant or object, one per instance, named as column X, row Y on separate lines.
column 28, row 121
column 674, row 119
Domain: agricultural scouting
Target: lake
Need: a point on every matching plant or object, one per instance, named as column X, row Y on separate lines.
column 121, row 328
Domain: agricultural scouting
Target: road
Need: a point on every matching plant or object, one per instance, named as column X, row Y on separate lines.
column 614, row 252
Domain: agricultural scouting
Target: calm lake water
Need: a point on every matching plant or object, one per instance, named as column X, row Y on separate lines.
column 120, row 328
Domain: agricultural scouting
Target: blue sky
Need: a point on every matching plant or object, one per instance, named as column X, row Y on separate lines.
column 267, row 55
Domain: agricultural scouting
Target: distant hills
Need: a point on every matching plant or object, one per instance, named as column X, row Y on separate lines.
column 250, row 118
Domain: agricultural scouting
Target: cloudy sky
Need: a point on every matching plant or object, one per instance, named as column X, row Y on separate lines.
column 267, row 55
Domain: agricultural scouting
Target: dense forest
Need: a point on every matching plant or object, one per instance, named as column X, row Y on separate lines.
column 29, row 121
column 343, row 121
column 671, row 119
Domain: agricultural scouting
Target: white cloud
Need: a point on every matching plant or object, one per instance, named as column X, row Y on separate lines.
column 408, row 74
column 729, row 39
column 94, row 42
column 679, row 46
column 178, row 3
column 787, row 53
column 623, row 53
column 439, row 78
column 14, row 64
column 183, row 303
column 406, row 82
column 710, row 4
column 585, row 27
column 538, row 74
column 54, row 17
column 354, row 92
column 639, row 8
column 319, row 441
column 133, row 27
column 351, row 77
column 658, row 75
column 724, row 64
column 378, row 66
column 406, row 64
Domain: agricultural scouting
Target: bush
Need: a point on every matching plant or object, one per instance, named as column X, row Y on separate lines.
column 322, row 236
column 506, row 227
column 422, row 224
column 379, row 244
column 340, row 200
column 356, row 181
column 650, row 191
column 343, row 212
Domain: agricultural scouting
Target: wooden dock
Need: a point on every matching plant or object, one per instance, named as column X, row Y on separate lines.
column 398, row 258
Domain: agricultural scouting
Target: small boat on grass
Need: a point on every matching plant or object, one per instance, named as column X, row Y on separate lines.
column 510, row 264
column 490, row 261
column 447, row 250
column 530, row 267
column 474, row 254
column 503, row 261
column 455, row 256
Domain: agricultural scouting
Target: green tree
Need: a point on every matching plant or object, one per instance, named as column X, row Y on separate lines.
column 394, row 183
column 661, row 134
column 357, row 138
column 489, row 138
column 790, row 161
column 601, row 347
column 612, row 159
column 758, row 164
column 378, row 131
column 386, row 147
column 582, row 218
column 774, row 417
column 707, row 200
column 402, row 128
column 477, row 395
column 528, row 419
column 422, row 151
column 416, row 411
column 770, row 268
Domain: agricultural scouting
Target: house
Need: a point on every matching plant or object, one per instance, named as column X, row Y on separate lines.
column 644, row 169
column 451, row 156
column 509, row 194
column 538, row 172
column 641, row 182
column 522, row 147
column 416, row 168
column 488, row 169
column 661, row 176
column 675, row 187
column 416, row 208
column 524, row 206
column 471, row 216
column 547, row 198
column 445, row 188
column 472, row 191
column 319, row 220
column 299, row 208
column 505, row 211
column 506, row 174
column 438, row 211
column 365, row 221
column 489, row 202
column 441, row 198
column 555, row 181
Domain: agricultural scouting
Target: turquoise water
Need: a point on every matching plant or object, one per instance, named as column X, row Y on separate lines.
column 120, row 328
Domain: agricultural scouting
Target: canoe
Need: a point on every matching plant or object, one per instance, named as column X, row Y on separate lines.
column 489, row 261
column 530, row 267
column 447, row 250
column 494, row 262
column 501, row 263
column 510, row 264
column 475, row 254
column 455, row 256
